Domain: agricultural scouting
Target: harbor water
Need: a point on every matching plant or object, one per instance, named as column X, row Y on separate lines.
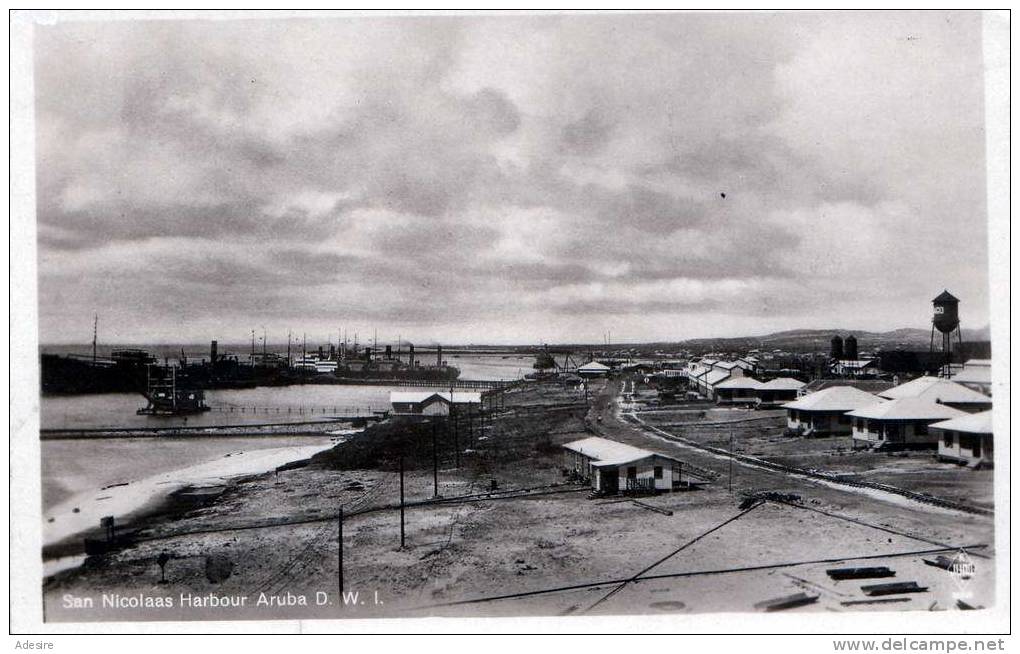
column 120, row 475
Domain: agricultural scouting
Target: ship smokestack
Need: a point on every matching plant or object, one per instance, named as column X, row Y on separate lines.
column 410, row 355
column 439, row 356
column 213, row 352
column 389, row 351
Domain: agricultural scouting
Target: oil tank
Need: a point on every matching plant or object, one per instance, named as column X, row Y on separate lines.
column 837, row 348
column 946, row 316
column 850, row 348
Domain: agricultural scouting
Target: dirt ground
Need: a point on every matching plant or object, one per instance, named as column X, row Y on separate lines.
column 566, row 553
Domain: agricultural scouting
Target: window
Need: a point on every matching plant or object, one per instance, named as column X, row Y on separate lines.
column 631, row 472
column 844, row 419
column 921, row 429
column 947, row 439
column 658, row 472
column 860, row 424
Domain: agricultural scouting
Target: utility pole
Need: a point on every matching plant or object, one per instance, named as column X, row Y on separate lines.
column 456, row 441
column 340, row 550
column 435, row 463
column 401, row 501
column 253, row 348
column 288, row 348
column 95, row 337
column 730, row 484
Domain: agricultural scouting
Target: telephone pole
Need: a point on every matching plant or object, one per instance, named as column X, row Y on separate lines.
column 340, row 550
column 401, row 501
column 435, row 463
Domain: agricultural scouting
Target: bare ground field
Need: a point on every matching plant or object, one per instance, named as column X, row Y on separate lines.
column 551, row 552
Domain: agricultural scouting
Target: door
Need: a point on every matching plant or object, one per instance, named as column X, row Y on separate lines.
column 610, row 480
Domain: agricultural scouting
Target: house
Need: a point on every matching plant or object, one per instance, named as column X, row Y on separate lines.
column 778, row 391
column 942, row 391
column 593, row 369
column 432, row 403
column 976, row 375
column 738, row 390
column 612, row 467
column 710, row 380
column 873, row 386
column 823, row 413
column 967, row 439
column 899, row 423
column 855, row 367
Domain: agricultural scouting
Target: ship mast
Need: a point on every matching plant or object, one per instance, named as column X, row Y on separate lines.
column 95, row 334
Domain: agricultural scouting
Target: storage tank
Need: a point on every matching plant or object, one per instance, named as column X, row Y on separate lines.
column 837, row 348
column 850, row 348
column 946, row 316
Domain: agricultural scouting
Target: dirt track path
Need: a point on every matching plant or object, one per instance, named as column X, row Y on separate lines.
column 928, row 521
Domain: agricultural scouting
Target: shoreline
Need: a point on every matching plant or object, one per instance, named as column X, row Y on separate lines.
column 78, row 515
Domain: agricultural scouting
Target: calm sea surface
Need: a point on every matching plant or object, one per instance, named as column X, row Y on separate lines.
column 73, row 466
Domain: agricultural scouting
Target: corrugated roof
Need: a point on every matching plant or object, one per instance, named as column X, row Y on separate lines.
column 593, row 366
column 716, row 376
column 605, row 452
column 740, row 382
column 907, row 408
column 973, row 423
column 933, row 388
column 726, row 365
column 709, row 362
column 834, row 398
column 873, row 386
column 783, row 384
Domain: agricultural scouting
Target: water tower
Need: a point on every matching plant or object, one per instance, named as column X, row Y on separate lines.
column 946, row 319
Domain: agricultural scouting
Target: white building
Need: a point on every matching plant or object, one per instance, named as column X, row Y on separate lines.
column 941, row 391
column 593, row 369
column 899, row 423
column 738, row 390
column 967, row 439
column 432, row 403
column 824, row 413
column 976, row 375
column 778, row 391
column 612, row 467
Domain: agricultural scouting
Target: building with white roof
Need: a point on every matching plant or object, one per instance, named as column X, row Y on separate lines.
column 824, row 413
column 593, row 369
column 612, row 467
column 942, row 391
column 901, row 422
column 855, row 367
column 967, row 439
column 779, row 390
column 738, row 390
column 976, row 375
column 432, row 403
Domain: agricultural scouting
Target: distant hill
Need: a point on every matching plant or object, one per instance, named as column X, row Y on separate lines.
column 817, row 340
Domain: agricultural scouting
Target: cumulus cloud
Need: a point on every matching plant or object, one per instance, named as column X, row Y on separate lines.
column 515, row 178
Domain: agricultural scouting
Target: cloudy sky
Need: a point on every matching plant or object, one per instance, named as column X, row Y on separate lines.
column 508, row 179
